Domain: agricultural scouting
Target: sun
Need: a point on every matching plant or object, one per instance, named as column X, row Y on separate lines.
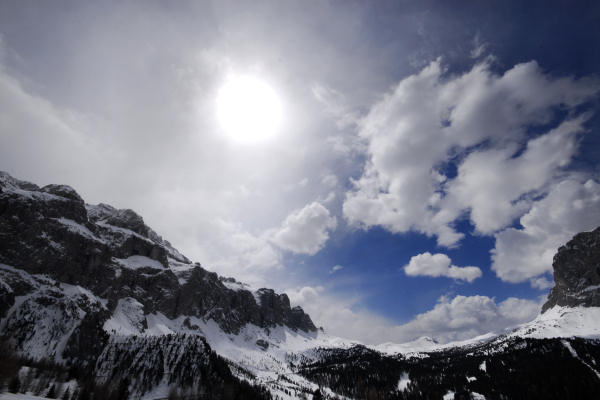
column 248, row 109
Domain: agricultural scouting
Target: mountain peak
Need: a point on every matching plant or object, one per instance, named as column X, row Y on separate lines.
column 112, row 253
column 577, row 272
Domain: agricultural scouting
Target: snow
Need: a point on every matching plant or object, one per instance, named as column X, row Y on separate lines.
column 557, row 322
column 421, row 344
column 266, row 364
column 471, row 378
column 403, row 382
column 5, row 286
column 51, row 242
column 418, row 347
column 12, row 185
column 48, row 327
column 237, row 286
column 136, row 262
column 76, row 290
column 11, row 396
column 127, row 319
column 449, row 395
column 158, row 324
column 562, row 322
column 123, row 231
column 483, row 366
column 180, row 269
column 590, row 288
column 78, row 229
column 574, row 354
column 477, row 396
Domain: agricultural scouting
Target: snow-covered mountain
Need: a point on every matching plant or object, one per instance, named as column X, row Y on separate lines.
column 95, row 292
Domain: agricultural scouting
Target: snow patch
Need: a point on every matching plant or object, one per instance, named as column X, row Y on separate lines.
column 11, row 396
column 136, row 262
column 562, row 322
column 403, row 382
column 79, row 229
column 127, row 319
column 449, row 395
column 574, row 354
column 483, row 366
column 237, row 286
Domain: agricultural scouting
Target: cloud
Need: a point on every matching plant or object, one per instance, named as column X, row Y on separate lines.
column 335, row 104
column 254, row 257
column 498, row 187
column 464, row 317
column 475, row 124
column 305, row 231
column 458, row 318
column 330, row 180
column 38, row 137
column 335, row 268
column 479, row 46
column 435, row 265
column 523, row 254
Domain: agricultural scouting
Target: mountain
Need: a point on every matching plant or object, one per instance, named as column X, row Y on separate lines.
column 94, row 287
column 577, row 273
column 95, row 304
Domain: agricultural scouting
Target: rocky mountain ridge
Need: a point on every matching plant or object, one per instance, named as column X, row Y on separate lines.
column 577, row 272
column 51, row 231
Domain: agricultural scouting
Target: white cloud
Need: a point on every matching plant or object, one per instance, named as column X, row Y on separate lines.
column 521, row 254
column 476, row 121
column 464, row 317
column 330, row 180
column 43, row 140
column 305, row 230
column 479, row 46
column 335, row 268
column 435, row 265
column 494, row 184
column 335, row 104
column 458, row 318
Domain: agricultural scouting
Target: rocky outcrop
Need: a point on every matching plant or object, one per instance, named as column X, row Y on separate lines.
column 114, row 254
column 577, row 272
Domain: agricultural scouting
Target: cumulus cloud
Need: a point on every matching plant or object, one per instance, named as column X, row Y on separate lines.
column 522, row 254
column 435, row 265
column 253, row 257
column 335, row 268
column 305, row 230
column 458, row 318
column 464, row 317
column 475, row 123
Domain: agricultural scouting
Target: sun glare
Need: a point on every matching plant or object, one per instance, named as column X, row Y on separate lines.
column 248, row 109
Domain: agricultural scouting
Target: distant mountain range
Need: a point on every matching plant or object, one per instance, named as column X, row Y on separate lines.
column 96, row 305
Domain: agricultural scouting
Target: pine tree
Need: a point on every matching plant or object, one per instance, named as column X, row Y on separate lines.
column 14, row 385
column 52, row 392
column 66, row 395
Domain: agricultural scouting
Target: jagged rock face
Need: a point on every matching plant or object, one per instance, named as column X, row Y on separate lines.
column 577, row 272
column 112, row 253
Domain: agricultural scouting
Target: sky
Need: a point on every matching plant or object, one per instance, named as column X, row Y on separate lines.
column 424, row 159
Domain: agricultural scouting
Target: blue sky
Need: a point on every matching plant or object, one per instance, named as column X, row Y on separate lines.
column 457, row 138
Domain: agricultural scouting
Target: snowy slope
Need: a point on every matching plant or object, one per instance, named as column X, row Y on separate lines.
column 20, row 396
column 562, row 322
column 262, row 352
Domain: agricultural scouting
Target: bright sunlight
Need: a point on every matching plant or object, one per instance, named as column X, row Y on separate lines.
column 248, row 109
